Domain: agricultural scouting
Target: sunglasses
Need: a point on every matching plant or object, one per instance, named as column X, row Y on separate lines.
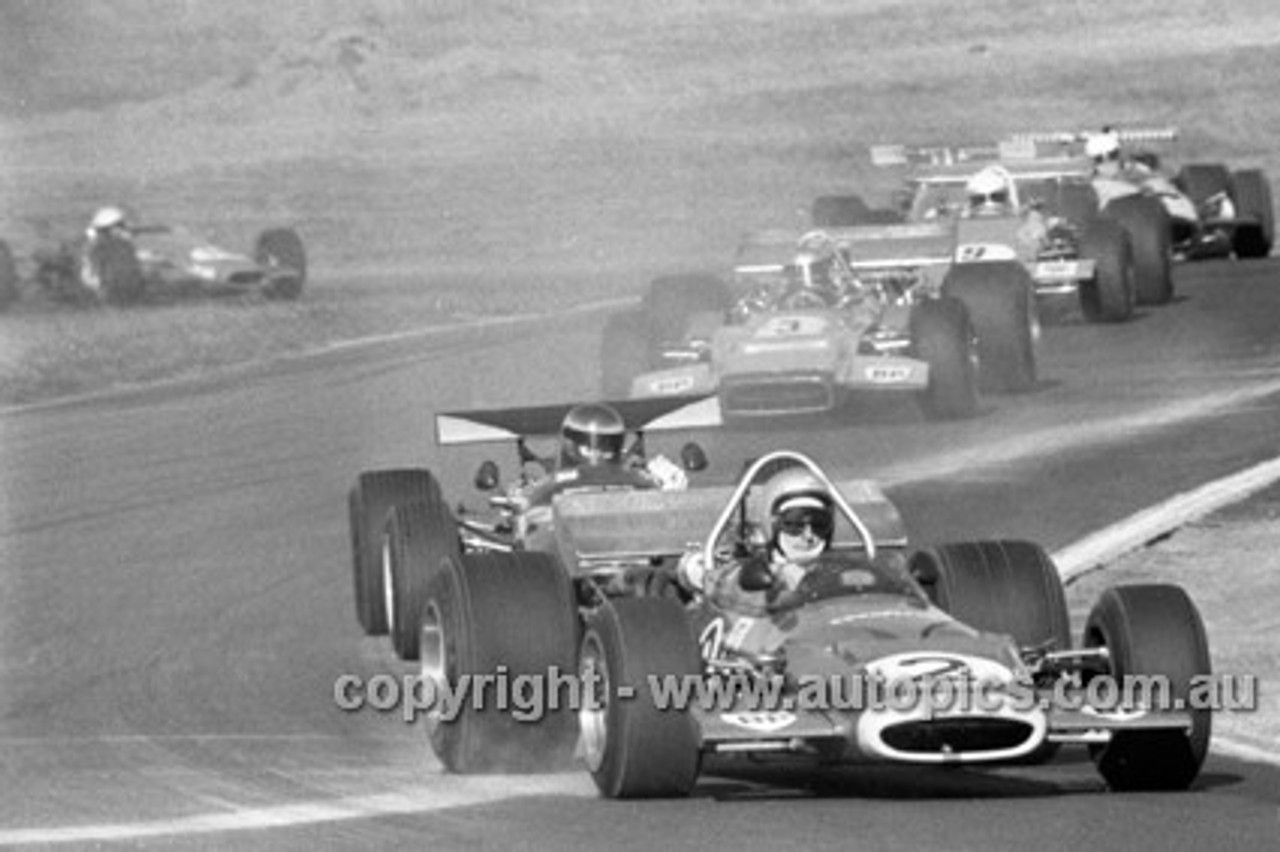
column 793, row 521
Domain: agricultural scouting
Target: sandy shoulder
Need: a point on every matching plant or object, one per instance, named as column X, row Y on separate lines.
column 1229, row 563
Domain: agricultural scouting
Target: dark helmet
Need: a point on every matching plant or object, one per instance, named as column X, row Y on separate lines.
column 592, row 434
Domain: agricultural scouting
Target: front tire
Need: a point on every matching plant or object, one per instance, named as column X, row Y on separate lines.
column 419, row 538
column 1111, row 295
column 1151, row 236
column 1000, row 299
column 634, row 748
column 369, row 502
column 1152, row 630
column 942, row 337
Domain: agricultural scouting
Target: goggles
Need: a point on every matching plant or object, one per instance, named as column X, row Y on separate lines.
column 794, row 521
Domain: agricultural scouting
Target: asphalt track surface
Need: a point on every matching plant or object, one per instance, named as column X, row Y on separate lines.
column 176, row 596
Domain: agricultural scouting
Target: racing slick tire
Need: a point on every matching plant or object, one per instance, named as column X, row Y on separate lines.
column 281, row 250
column 1111, row 295
column 1000, row 299
column 369, row 502
column 1009, row 587
column 999, row 586
column 672, row 299
column 843, row 211
column 120, row 278
column 502, row 619
column 8, row 277
column 624, row 352
column 1152, row 630
column 1251, row 194
column 1151, row 235
column 417, row 539
column 633, row 748
column 942, row 337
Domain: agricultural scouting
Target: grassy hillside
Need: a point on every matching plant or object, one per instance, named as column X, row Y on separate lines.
column 492, row 155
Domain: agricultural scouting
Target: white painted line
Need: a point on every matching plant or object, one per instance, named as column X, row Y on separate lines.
column 1237, row 750
column 1106, row 545
column 458, row 792
column 320, row 351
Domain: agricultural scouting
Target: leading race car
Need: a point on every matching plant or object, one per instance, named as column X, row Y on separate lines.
column 815, row 318
column 988, row 614
column 161, row 263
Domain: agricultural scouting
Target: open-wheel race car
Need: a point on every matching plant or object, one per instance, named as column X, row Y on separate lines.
column 1213, row 210
column 809, row 320
column 157, row 263
column 986, row 620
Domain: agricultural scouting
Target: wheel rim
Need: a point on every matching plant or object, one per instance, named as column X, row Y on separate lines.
column 433, row 664
column 593, row 722
column 388, row 585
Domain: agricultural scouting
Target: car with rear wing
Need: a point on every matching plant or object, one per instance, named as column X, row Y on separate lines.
column 810, row 320
column 988, row 617
column 402, row 527
column 1049, row 222
column 1212, row 210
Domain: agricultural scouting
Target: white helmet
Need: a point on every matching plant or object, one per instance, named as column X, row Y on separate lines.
column 107, row 217
column 1102, row 146
column 798, row 501
column 989, row 186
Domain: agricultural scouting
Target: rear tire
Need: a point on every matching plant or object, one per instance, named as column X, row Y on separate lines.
column 1151, row 236
column 1009, row 587
column 1251, row 194
column 1152, row 630
column 369, row 502
column 1000, row 299
column 281, row 250
column 509, row 615
column 8, row 278
column 635, row 749
column 942, row 337
column 1111, row 295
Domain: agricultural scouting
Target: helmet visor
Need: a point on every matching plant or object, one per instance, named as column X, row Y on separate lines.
column 794, row 521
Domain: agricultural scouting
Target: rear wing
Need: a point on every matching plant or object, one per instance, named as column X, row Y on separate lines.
column 497, row 425
column 899, row 245
column 1072, row 142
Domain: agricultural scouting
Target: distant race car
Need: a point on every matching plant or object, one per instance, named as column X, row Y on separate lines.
column 600, row 597
column 159, row 263
column 1213, row 211
column 1049, row 222
column 811, row 319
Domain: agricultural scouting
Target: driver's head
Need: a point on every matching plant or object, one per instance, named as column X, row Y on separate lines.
column 989, row 190
column 1104, row 149
column 801, row 514
column 592, row 434
column 108, row 220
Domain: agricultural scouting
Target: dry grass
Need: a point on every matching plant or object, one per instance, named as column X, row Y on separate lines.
column 500, row 156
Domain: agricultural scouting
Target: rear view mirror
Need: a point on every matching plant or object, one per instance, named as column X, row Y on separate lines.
column 692, row 457
column 487, row 476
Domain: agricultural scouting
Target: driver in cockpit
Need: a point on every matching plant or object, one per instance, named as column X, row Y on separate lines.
column 801, row 525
